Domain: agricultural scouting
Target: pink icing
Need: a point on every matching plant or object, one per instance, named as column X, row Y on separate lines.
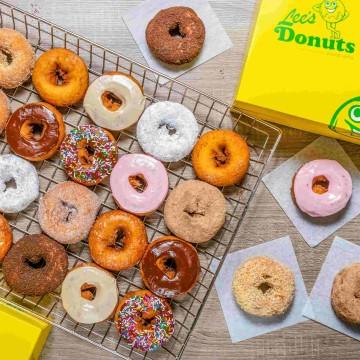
column 155, row 175
column 329, row 203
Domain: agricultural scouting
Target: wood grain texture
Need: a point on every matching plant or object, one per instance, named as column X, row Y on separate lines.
column 265, row 220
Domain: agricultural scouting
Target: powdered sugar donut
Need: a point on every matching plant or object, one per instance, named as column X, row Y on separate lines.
column 139, row 183
column 114, row 101
column 167, row 131
column 19, row 184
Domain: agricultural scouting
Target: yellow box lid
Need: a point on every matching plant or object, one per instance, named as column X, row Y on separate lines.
column 22, row 336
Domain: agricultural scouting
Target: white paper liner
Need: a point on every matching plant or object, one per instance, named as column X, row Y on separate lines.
column 342, row 254
column 216, row 41
column 279, row 183
column 242, row 326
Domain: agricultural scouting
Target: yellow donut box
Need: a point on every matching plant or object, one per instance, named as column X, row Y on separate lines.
column 22, row 336
column 302, row 67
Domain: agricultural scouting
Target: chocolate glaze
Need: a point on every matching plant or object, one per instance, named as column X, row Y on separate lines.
column 170, row 267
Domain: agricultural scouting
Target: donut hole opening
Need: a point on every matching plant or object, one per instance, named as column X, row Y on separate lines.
column 85, row 153
column 10, row 184
column 167, row 265
column 118, row 243
column 69, row 211
column 36, row 262
column 138, row 182
column 265, row 287
column 111, row 101
column 60, row 76
column 171, row 129
column 175, row 31
column 147, row 319
column 221, row 156
column 88, row 291
column 194, row 209
column 33, row 130
column 6, row 57
column 320, row 185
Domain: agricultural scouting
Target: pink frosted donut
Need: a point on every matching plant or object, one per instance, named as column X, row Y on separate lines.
column 322, row 188
column 139, row 183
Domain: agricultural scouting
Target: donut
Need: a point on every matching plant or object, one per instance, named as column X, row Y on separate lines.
column 89, row 294
column 345, row 294
column 67, row 212
column 263, row 287
column 322, row 188
column 167, row 131
column 88, row 154
column 19, row 184
column 108, row 228
column 139, row 183
column 144, row 321
column 114, row 101
column 6, row 237
column 221, row 158
column 60, row 77
column 4, row 110
column 35, row 131
column 176, row 35
column 16, row 58
column 35, row 265
column 170, row 267
column 195, row 211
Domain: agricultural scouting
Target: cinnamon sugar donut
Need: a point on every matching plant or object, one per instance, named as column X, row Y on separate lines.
column 5, row 237
column 16, row 58
column 4, row 110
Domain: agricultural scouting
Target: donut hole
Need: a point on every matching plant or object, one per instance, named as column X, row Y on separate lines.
column 59, row 76
column 175, row 31
column 167, row 265
column 69, row 212
column 320, row 185
column 118, row 243
column 88, row 291
column 221, row 156
column 36, row 262
column 147, row 319
column 6, row 57
column 171, row 129
column 33, row 130
column 194, row 209
column 111, row 101
column 264, row 287
column 85, row 153
column 138, row 182
column 10, row 184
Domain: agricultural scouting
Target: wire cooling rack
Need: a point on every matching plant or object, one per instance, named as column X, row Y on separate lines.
column 210, row 113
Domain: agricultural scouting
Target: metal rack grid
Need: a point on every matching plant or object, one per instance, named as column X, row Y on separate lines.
column 210, row 113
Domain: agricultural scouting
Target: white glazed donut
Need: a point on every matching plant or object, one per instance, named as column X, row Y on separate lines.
column 83, row 305
column 115, row 116
column 19, row 184
column 167, row 131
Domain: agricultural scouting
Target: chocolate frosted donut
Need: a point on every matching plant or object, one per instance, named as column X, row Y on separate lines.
column 176, row 35
column 195, row 211
column 170, row 267
column 35, row 265
column 35, row 131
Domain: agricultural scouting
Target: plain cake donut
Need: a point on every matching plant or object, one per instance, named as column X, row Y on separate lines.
column 4, row 110
column 5, row 237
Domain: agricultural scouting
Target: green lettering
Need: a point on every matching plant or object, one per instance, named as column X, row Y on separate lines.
column 340, row 44
column 301, row 39
column 350, row 48
column 314, row 41
column 285, row 34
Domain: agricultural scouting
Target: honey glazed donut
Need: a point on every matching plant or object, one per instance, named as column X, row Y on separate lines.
column 6, row 237
column 4, row 110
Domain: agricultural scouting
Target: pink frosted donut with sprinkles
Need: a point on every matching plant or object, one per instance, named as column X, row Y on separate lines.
column 144, row 320
column 88, row 154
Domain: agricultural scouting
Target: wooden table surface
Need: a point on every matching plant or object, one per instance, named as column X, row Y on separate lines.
column 100, row 20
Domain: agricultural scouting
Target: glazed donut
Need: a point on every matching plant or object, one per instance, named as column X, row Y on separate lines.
column 88, row 154
column 6, row 237
column 35, row 265
column 322, row 188
column 176, row 35
column 4, row 110
column 221, row 158
column 114, row 101
column 264, row 287
column 345, row 294
column 103, row 236
column 139, row 183
column 144, row 320
column 35, row 131
column 170, row 267
column 67, row 212
column 167, row 131
column 19, row 184
column 61, row 77
column 195, row 211
column 16, row 59
column 89, row 294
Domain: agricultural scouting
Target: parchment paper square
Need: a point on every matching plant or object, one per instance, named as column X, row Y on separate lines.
column 216, row 41
column 242, row 326
column 279, row 183
column 341, row 254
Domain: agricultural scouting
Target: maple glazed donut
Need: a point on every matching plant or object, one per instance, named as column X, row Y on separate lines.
column 221, row 158
column 6, row 237
column 322, row 188
column 67, row 212
column 16, row 58
column 170, row 267
column 88, row 154
column 61, row 77
column 176, row 35
column 4, row 110
column 35, row 131
column 104, row 234
column 114, row 101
